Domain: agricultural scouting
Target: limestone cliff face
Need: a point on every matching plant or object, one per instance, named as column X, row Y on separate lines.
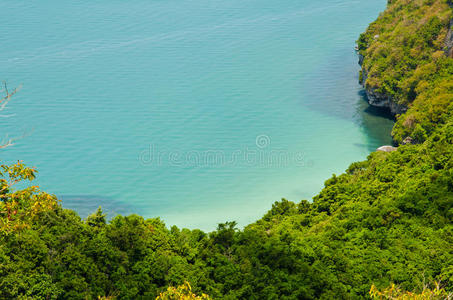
column 376, row 98
column 449, row 41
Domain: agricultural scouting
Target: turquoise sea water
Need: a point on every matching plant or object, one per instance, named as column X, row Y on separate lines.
column 197, row 111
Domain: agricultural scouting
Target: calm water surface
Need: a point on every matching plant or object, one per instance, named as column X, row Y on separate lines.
column 197, row 111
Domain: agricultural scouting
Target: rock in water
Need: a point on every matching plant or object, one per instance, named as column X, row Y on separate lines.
column 386, row 148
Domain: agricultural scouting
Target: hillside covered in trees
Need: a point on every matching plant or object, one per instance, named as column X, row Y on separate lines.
column 386, row 220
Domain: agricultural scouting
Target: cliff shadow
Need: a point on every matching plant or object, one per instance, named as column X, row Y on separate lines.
column 85, row 205
column 380, row 112
column 376, row 122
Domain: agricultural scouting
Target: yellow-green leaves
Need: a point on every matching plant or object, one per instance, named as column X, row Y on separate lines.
column 182, row 292
column 395, row 293
column 18, row 208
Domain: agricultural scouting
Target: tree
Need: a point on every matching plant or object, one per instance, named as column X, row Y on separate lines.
column 19, row 208
column 395, row 293
column 182, row 292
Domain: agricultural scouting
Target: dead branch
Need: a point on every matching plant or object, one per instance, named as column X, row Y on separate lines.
column 3, row 102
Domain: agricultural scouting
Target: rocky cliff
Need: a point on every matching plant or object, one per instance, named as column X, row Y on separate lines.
column 379, row 99
column 376, row 98
column 449, row 41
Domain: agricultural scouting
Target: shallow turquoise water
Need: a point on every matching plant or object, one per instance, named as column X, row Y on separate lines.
column 195, row 111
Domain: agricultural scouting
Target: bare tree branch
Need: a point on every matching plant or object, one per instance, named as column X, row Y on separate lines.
column 6, row 142
column 3, row 102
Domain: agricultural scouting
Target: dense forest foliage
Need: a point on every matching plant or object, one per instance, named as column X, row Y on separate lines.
column 385, row 223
